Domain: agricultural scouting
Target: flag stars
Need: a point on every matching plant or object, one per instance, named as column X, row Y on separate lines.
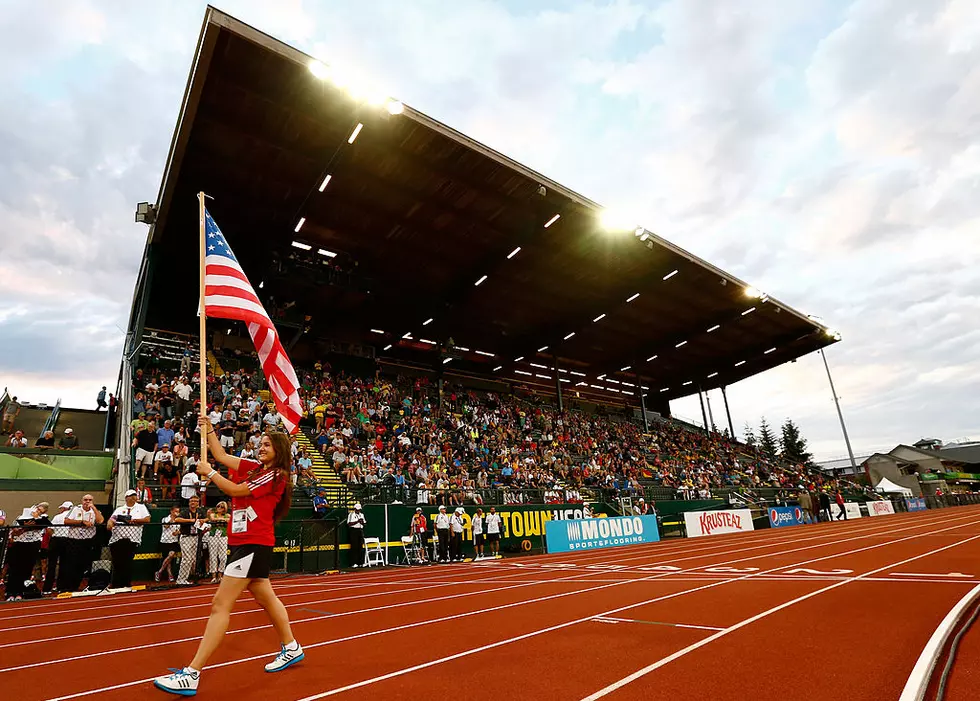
column 210, row 248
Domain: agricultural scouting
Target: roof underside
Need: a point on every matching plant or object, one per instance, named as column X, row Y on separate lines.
column 419, row 213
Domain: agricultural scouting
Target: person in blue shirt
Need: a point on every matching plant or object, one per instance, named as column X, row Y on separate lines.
column 320, row 505
column 165, row 434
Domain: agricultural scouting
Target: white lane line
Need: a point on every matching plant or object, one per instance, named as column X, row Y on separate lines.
column 518, row 603
column 927, row 574
column 748, row 621
column 610, row 619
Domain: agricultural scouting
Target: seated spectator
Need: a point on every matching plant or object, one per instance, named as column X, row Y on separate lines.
column 320, row 505
column 69, row 441
column 45, row 441
column 17, row 440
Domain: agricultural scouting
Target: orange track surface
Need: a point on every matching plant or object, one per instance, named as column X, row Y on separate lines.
column 721, row 618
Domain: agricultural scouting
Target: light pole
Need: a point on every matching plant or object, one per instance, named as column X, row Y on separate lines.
column 840, row 414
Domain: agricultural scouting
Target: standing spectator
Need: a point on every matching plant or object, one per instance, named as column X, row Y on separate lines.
column 100, row 401
column 191, row 520
column 69, row 441
column 182, row 391
column 165, row 469
column 806, row 505
column 420, row 531
column 839, row 498
column 57, row 546
column 355, row 529
column 10, row 413
column 26, row 539
column 165, row 435
column 493, row 531
column 17, row 440
column 218, row 517
column 45, row 441
column 169, row 542
column 144, row 495
column 442, row 533
column 320, row 505
column 126, row 528
column 145, row 442
column 189, row 485
column 78, row 548
column 456, row 535
column 825, row 505
column 478, row 537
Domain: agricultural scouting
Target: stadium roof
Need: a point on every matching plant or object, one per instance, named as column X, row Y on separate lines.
column 434, row 225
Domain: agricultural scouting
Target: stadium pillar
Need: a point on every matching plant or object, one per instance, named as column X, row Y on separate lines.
column 728, row 413
column 840, row 414
column 643, row 404
column 711, row 416
column 561, row 403
column 704, row 414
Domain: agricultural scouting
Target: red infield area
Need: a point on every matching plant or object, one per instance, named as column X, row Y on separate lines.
column 838, row 610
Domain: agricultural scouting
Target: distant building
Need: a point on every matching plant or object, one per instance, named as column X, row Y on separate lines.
column 927, row 466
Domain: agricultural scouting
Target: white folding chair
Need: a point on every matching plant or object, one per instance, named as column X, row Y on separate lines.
column 374, row 554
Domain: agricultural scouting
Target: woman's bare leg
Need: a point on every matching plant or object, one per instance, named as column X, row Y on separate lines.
column 224, row 599
column 266, row 597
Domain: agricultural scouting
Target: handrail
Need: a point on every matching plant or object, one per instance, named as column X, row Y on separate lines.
column 52, row 419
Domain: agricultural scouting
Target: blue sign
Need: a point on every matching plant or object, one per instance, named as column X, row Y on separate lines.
column 594, row 533
column 915, row 503
column 780, row 516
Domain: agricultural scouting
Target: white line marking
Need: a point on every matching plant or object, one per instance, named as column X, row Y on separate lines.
column 609, row 619
column 748, row 621
column 924, row 574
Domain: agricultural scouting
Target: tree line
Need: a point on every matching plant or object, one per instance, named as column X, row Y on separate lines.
column 790, row 445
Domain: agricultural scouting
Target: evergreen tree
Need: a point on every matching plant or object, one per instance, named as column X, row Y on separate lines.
column 794, row 445
column 750, row 439
column 767, row 440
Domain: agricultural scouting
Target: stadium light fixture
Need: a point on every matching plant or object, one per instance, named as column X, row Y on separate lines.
column 580, row 384
column 609, row 379
column 461, row 348
column 427, row 321
column 652, row 358
column 753, row 293
column 714, row 328
column 319, row 69
column 353, row 134
column 394, row 107
column 612, row 389
column 625, row 368
column 542, row 349
column 388, row 347
column 682, row 343
column 602, row 376
column 522, row 372
column 563, row 379
column 669, row 275
column 577, row 373
column 596, row 386
column 643, row 237
column 326, row 181
column 480, row 281
column 262, row 284
column 299, row 225
column 568, row 336
column 633, row 297
column 324, row 252
column 447, row 360
column 376, row 331
column 538, row 365
column 629, row 393
column 599, row 318
column 426, row 340
column 714, row 374
column 301, row 245
column 408, row 335
column 687, row 383
column 489, row 355
column 497, row 369
column 519, row 359
column 740, row 363
column 611, row 220
column 513, row 253
column 544, row 377
column 638, row 233
column 748, row 311
column 771, row 350
column 552, row 220
column 665, row 389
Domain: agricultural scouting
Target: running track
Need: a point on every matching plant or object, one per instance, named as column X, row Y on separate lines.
column 836, row 610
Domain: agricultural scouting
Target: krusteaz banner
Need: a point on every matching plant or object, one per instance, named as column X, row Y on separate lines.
column 715, row 522
column 851, row 508
column 880, row 508
column 594, row 533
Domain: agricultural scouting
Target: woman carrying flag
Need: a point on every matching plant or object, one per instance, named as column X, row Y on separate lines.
column 261, row 493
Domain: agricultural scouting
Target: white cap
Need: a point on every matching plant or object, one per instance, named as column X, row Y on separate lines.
column 442, row 508
column 459, row 509
column 68, row 430
column 131, row 493
column 357, row 506
column 66, row 505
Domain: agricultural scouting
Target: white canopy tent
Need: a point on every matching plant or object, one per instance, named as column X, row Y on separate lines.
column 886, row 486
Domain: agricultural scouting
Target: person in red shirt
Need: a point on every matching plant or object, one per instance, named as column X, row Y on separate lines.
column 261, row 493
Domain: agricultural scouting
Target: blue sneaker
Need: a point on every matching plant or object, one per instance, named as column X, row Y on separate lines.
column 286, row 657
column 181, row 681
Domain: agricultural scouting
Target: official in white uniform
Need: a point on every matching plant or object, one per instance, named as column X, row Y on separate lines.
column 126, row 528
column 56, row 545
column 81, row 537
column 478, row 538
column 442, row 532
column 493, row 524
column 355, row 531
column 456, row 535
column 24, row 548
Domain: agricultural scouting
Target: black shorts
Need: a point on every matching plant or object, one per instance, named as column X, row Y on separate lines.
column 167, row 548
column 479, row 539
column 493, row 537
column 249, row 562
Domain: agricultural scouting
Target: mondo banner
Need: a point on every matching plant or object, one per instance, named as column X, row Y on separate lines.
column 880, row 508
column 714, row 522
column 780, row 516
column 915, row 503
column 593, row 533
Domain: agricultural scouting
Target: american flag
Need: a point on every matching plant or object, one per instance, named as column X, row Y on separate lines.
column 229, row 295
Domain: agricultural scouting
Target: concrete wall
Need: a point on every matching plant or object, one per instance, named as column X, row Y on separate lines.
column 881, row 466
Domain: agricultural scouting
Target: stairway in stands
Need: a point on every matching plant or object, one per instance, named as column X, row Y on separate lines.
column 337, row 493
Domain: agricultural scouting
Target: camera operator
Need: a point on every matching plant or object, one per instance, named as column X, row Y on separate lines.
column 24, row 548
column 126, row 527
column 56, row 545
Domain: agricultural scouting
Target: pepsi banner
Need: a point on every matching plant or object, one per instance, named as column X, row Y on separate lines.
column 780, row 516
column 915, row 503
column 595, row 533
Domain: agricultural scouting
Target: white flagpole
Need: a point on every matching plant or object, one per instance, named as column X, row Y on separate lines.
column 203, row 332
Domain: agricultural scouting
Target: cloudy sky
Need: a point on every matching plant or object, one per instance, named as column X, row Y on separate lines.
column 828, row 152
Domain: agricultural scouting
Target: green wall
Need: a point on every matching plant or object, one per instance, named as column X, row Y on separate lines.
column 54, row 465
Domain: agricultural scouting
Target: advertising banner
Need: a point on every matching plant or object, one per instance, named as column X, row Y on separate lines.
column 701, row 523
column 915, row 503
column 880, row 508
column 780, row 516
column 851, row 508
column 594, row 533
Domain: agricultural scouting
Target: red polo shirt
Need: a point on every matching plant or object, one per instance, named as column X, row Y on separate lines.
column 266, row 488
